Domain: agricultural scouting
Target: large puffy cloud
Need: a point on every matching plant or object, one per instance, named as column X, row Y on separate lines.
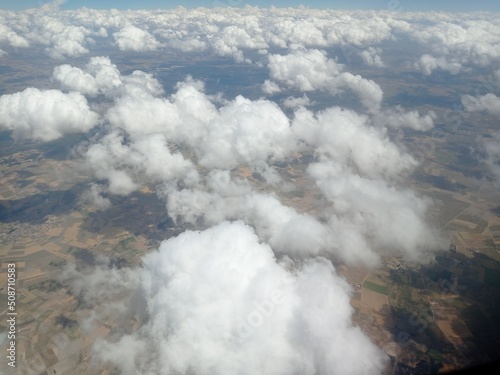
column 313, row 70
column 183, row 117
column 374, row 217
column 67, row 41
column 45, row 115
column 240, row 132
column 99, row 76
column 61, row 38
column 456, row 42
column 246, row 132
column 218, row 302
column 132, row 38
column 356, row 168
column 347, row 137
column 305, row 70
column 233, row 40
column 76, row 79
column 320, row 28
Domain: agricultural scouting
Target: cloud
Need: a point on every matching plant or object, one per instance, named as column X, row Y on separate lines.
column 347, row 137
column 456, row 41
column 188, row 44
column 489, row 103
column 427, row 64
column 245, row 132
column 12, row 38
column 304, row 70
column 94, row 197
column 242, row 131
column 60, row 37
column 147, row 159
column 358, row 166
column 100, row 76
column 52, row 6
column 369, row 92
column 281, row 226
column 397, row 117
column 104, row 283
column 270, row 87
column 75, row 79
column 492, row 148
column 374, row 217
column 371, row 57
column 312, row 70
column 45, row 115
column 217, row 302
column 132, row 38
column 292, row 102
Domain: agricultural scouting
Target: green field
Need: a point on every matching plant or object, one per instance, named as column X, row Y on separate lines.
column 376, row 288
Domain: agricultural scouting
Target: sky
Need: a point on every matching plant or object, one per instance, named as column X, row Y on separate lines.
column 400, row 5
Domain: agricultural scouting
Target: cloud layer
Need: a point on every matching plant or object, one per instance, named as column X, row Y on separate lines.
column 453, row 42
column 207, row 287
column 148, row 130
column 218, row 302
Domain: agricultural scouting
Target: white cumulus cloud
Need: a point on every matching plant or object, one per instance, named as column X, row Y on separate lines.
column 132, row 38
column 218, row 302
column 45, row 115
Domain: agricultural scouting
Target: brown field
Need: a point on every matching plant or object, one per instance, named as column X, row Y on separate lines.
column 446, row 326
column 353, row 275
column 373, row 300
